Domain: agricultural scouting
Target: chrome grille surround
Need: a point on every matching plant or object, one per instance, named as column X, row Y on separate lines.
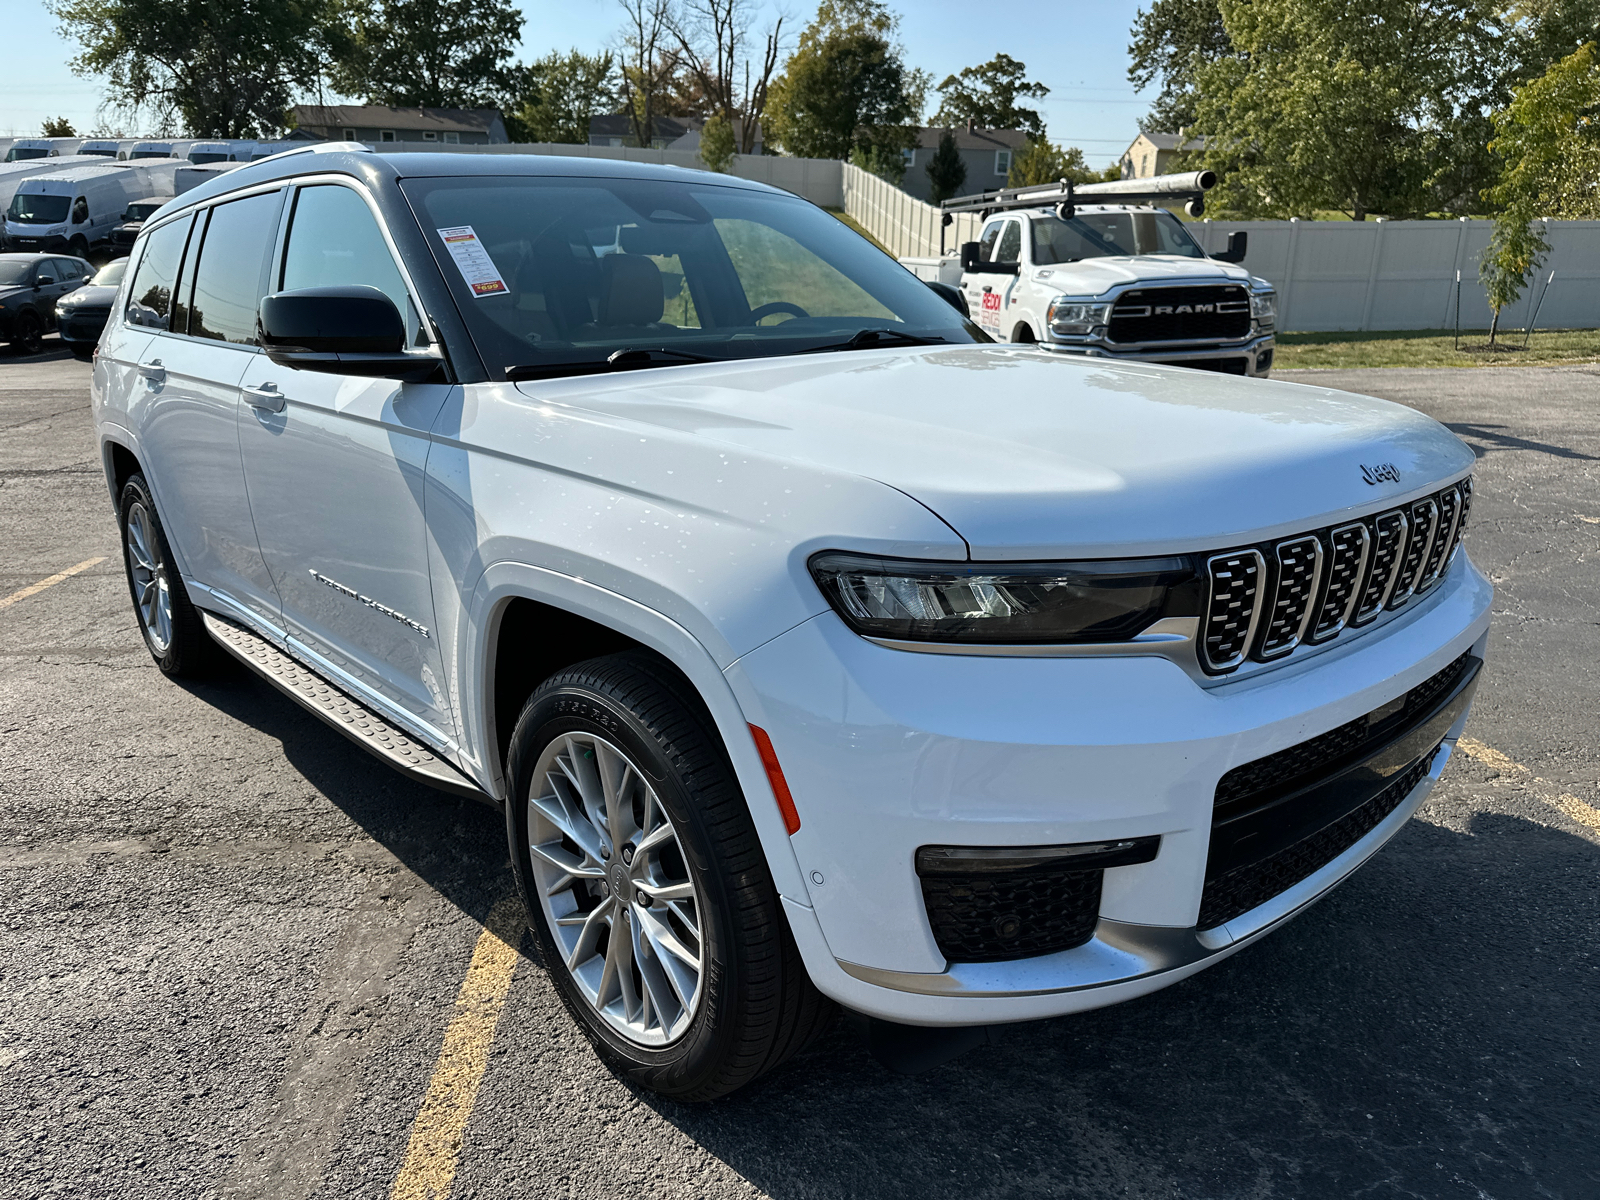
column 1233, row 608
column 1390, row 530
column 1261, row 603
column 1449, row 502
column 1298, row 571
column 1424, row 515
column 1349, row 548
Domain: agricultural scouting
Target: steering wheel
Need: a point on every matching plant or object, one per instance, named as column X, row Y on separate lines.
column 777, row 306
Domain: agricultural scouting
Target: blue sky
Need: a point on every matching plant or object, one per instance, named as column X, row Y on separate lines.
column 1079, row 50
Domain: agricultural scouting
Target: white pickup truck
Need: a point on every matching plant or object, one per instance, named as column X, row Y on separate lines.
column 1118, row 279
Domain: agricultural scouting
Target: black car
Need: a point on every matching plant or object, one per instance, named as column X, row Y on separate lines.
column 30, row 287
column 84, row 312
column 124, row 235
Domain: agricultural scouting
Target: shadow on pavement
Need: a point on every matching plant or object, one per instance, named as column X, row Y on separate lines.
column 1506, row 441
column 1426, row 1031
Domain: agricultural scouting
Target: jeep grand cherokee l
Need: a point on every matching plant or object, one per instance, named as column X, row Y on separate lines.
column 817, row 650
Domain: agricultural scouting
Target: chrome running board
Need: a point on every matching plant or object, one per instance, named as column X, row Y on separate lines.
column 348, row 716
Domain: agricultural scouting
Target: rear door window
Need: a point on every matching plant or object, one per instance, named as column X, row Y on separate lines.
column 150, row 297
column 334, row 241
column 233, row 263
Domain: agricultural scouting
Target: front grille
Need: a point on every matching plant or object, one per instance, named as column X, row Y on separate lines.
column 1289, row 770
column 1264, row 601
column 1236, row 892
column 1181, row 314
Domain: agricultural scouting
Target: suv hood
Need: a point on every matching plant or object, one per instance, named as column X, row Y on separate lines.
column 1093, row 276
column 1029, row 454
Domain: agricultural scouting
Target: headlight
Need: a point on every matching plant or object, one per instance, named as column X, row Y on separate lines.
column 1071, row 316
column 1264, row 308
column 1097, row 601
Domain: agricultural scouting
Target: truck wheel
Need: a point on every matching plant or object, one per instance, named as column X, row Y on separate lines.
column 645, row 883
column 27, row 337
column 172, row 630
column 80, row 248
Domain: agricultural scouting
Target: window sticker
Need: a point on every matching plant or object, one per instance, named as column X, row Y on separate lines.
column 473, row 261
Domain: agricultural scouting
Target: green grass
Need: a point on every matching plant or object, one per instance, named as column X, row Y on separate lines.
column 1435, row 348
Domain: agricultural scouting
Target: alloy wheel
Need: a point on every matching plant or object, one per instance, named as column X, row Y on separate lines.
column 615, row 888
column 151, row 594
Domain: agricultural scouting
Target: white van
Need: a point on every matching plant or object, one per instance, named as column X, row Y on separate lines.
column 206, row 153
column 25, row 148
column 195, row 174
column 74, row 210
column 158, row 150
column 100, row 148
column 13, row 173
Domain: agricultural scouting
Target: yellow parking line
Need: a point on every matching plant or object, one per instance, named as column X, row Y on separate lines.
column 33, row 589
column 1584, row 814
column 436, row 1136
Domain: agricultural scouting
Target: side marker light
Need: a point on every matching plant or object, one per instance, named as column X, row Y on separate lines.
column 780, row 786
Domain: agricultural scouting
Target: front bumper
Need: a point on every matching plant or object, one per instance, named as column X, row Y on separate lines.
column 82, row 329
column 1252, row 357
column 52, row 244
column 889, row 750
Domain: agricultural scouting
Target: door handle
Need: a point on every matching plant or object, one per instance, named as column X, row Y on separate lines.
column 153, row 371
column 266, row 397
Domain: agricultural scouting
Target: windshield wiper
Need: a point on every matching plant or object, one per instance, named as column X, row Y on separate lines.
column 868, row 339
column 627, row 359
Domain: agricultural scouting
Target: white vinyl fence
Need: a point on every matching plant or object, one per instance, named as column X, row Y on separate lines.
column 1354, row 275
column 908, row 227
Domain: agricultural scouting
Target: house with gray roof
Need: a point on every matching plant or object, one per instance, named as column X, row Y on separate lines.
column 378, row 123
column 1152, row 153
column 988, row 154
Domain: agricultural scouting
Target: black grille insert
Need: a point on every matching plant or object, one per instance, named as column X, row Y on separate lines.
column 990, row 904
column 1347, row 559
column 1294, row 589
column 1181, row 314
column 1232, row 607
column 1236, row 892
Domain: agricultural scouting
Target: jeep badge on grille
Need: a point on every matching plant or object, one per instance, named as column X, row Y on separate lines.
column 1382, row 473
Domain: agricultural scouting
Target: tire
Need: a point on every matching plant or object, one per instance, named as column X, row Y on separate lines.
column 172, row 629
column 689, row 1034
column 27, row 337
column 79, row 248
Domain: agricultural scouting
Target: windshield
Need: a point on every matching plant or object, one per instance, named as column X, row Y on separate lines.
column 562, row 272
column 34, row 209
column 1101, row 235
column 142, row 211
column 201, row 157
column 22, row 153
column 15, row 272
column 151, row 154
column 111, row 274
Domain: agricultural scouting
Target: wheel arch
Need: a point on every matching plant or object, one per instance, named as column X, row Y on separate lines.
column 525, row 623
column 1024, row 334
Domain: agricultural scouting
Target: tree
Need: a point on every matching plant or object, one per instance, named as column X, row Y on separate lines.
column 560, row 92
column 714, row 37
column 652, row 66
column 218, row 71
column 1172, row 40
column 55, row 127
column 1343, row 105
column 987, row 96
column 946, row 171
column 717, row 148
column 428, row 53
column 883, row 161
column 1041, row 163
column 846, row 87
column 1549, row 136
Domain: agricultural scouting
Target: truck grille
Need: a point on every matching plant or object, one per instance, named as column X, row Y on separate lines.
column 1262, row 602
column 1180, row 314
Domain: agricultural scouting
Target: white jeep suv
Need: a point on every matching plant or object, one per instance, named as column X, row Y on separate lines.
column 815, row 648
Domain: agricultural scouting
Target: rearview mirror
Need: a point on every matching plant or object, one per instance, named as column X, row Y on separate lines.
column 342, row 331
column 1238, row 243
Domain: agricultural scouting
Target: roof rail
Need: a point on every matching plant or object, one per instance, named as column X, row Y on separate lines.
column 1065, row 195
column 320, row 148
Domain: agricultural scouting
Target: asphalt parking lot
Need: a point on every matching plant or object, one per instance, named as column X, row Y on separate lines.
column 234, row 943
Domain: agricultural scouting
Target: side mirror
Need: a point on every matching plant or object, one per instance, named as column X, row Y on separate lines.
column 1238, row 243
column 970, row 252
column 950, row 295
column 341, row 331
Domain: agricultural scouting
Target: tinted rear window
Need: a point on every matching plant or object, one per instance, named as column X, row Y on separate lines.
column 150, row 297
column 233, row 257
